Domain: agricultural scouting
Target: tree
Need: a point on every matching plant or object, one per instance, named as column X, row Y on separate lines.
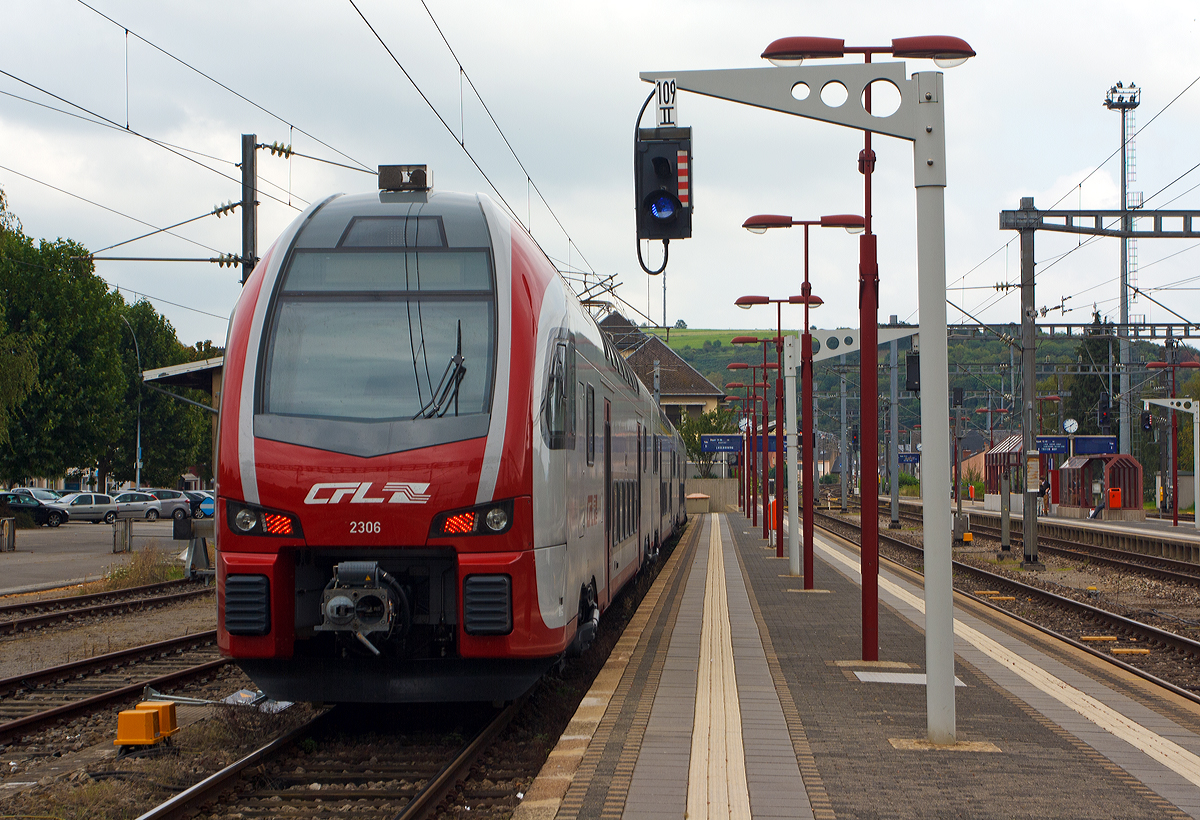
column 64, row 317
column 18, row 373
column 690, row 429
column 172, row 431
column 682, row 325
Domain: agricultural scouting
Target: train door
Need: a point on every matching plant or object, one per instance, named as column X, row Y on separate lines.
column 638, row 499
column 608, row 501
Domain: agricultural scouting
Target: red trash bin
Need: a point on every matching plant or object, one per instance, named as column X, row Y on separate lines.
column 1114, row 498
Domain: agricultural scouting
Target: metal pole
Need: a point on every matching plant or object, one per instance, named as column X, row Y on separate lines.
column 929, row 160
column 753, row 478
column 1028, row 388
column 249, row 204
column 810, row 424
column 1126, row 227
column 1175, row 454
column 789, row 364
column 766, row 426
column 137, row 459
column 1196, row 466
column 779, row 473
column 894, row 450
column 843, row 450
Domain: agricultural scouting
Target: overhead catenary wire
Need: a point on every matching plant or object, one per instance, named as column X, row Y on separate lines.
column 157, row 229
column 528, row 178
column 138, row 134
column 217, row 82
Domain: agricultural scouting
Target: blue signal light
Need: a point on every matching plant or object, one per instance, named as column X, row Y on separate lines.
column 662, row 206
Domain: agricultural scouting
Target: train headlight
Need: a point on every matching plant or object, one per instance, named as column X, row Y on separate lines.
column 245, row 520
column 485, row 519
column 496, row 519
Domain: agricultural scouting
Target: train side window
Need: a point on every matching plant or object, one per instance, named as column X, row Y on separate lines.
column 559, row 405
column 590, row 421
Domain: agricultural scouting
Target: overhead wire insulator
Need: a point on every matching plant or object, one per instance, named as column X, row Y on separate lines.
column 227, row 260
column 226, row 208
column 278, row 149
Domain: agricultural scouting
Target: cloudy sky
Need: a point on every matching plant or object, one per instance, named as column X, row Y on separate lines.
column 1024, row 118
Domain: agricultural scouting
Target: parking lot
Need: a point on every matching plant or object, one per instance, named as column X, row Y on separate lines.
column 75, row 552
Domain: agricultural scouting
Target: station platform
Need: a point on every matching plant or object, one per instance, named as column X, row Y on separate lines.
column 734, row 693
column 1161, row 528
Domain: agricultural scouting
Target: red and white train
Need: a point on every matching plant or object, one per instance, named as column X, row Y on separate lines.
column 435, row 472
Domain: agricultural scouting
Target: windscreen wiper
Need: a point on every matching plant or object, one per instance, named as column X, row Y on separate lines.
column 447, row 389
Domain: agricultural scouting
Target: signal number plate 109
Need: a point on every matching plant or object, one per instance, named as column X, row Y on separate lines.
column 364, row 527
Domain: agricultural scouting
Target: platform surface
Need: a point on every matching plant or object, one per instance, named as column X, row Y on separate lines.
column 734, row 693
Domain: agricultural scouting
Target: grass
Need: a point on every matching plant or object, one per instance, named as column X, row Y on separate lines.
column 151, row 565
column 682, row 337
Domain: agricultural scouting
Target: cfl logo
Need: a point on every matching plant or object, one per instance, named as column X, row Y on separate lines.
column 402, row 492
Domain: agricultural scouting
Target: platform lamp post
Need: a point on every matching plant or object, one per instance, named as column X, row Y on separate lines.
column 751, row 462
column 1173, row 364
column 138, row 454
column 766, row 365
column 760, row 224
column 747, row 303
column 741, row 410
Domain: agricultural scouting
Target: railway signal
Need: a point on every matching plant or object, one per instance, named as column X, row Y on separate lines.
column 663, row 183
column 1147, row 420
column 1104, row 411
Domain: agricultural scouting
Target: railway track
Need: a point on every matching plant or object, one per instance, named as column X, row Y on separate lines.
column 30, row 701
column 1164, row 569
column 1164, row 657
column 326, row 768
column 20, row 617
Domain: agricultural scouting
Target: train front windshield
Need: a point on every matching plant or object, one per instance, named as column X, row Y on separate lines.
column 382, row 336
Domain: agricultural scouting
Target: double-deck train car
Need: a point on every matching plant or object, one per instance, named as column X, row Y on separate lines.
column 435, row 471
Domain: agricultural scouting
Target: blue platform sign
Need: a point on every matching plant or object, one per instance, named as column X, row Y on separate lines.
column 206, row 507
column 1095, row 445
column 770, row 444
column 720, row 443
column 1053, row 444
column 909, row 458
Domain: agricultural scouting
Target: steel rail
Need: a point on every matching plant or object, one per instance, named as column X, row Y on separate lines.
column 22, row 725
column 72, row 601
column 132, row 605
column 1185, row 645
column 122, row 656
column 184, row 804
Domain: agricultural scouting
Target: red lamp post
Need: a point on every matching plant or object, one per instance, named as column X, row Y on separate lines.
column 751, row 462
column 760, row 224
column 946, row 52
column 741, row 409
column 742, row 340
column 1173, row 366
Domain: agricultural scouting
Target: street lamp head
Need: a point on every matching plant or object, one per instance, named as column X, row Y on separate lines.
column 946, row 52
column 812, row 300
column 737, row 366
column 735, row 386
column 745, row 340
column 792, row 51
column 853, row 223
column 1157, row 365
column 760, row 222
column 747, row 302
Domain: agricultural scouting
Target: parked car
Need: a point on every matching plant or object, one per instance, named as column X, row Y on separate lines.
column 174, row 503
column 94, row 507
column 41, row 513
column 137, row 504
column 40, row 493
column 197, row 498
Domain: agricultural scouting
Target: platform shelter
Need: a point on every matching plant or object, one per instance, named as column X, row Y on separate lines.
column 1113, row 482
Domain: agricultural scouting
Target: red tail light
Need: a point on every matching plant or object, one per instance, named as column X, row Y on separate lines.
column 459, row 524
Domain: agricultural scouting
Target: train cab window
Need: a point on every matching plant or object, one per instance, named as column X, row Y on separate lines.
column 558, row 406
column 590, row 421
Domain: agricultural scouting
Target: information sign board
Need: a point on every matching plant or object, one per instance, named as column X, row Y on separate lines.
column 720, row 443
